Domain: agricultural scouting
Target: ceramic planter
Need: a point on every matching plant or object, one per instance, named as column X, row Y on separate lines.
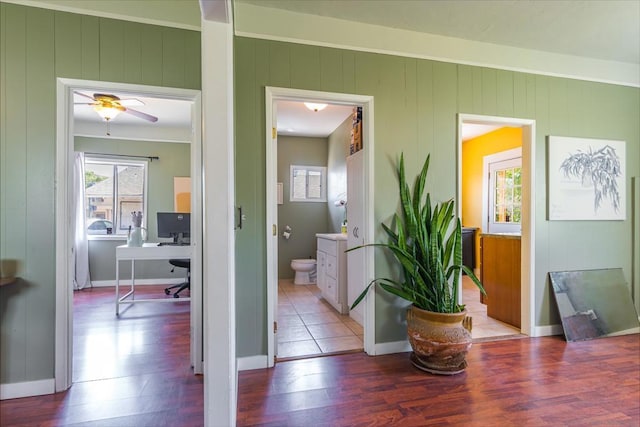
column 439, row 341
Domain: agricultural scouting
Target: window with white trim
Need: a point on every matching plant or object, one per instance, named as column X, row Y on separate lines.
column 113, row 190
column 505, row 196
column 308, row 184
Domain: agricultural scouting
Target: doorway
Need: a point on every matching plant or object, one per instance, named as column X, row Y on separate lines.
column 485, row 327
column 313, row 151
column 272, row 97
column 64, row 196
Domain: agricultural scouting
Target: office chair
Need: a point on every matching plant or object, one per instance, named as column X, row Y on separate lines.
column 182, row 263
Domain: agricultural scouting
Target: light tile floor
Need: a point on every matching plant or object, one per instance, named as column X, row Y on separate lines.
column 309, row 326
column 484, row 327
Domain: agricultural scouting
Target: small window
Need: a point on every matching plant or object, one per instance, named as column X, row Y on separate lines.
column 308, row 184
column 113, row 190
column 505, row 196
column 507, row 202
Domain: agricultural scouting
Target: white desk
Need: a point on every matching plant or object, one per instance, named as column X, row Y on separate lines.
column 149, row 251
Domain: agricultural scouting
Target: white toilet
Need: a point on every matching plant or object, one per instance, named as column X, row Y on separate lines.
column 305, row 271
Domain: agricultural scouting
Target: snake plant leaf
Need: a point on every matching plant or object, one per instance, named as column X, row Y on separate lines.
column 425, row 239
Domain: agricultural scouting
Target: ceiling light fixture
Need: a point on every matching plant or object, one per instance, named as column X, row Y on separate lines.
column 313, row 106
column 107, row 112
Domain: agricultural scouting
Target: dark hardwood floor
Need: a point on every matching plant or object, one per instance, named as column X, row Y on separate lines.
column 128, row 371
column 134, row 371
column 521, row 382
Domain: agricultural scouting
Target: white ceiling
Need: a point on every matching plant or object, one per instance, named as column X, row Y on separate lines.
column 603, row 29
column 294, row 118
column 174, row 118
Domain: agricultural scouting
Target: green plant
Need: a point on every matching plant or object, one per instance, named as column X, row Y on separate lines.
column 599, row 168
column 426, row 241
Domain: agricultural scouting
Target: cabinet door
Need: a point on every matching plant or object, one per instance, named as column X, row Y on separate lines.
column 320, row 266
column 356, row 232
column 331, row 291
column 501, row 278
column 331, row 266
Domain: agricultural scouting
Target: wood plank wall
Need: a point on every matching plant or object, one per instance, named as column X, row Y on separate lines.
column 36, row 47
column 416, row 107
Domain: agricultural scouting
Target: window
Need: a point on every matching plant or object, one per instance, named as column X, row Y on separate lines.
column 308, row 184
column 508, row 196
column 505, row 196
column 113, row 190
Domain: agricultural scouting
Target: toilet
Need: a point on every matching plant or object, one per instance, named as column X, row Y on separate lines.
column 305, row 271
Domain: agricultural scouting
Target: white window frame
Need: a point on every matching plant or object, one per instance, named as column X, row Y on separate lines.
column 118, row 161
column 487, row 211
column 323, row 183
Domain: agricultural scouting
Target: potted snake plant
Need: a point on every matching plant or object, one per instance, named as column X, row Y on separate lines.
column 425, row 240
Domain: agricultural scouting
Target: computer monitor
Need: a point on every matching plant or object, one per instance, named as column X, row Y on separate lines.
column 175, row 225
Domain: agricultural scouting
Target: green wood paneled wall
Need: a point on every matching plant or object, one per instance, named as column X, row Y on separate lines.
column 36, row 47
column 416, row 107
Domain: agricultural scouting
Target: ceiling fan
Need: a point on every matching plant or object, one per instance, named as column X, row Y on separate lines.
column 109, row 106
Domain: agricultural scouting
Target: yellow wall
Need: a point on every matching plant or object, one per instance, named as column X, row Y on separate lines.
column 473, row 151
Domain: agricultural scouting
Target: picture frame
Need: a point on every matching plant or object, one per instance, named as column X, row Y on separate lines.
column 586, row 179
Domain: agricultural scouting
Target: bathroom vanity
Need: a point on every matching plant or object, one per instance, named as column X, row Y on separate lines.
column 500, row 276
column 332, row 270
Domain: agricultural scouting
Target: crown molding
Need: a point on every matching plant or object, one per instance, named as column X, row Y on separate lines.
column 132, row 10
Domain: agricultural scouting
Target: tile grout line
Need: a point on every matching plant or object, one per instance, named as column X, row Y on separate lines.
column 294, row 302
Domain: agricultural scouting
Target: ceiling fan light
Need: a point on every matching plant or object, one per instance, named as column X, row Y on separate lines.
column 107, row 113
column 313, row 106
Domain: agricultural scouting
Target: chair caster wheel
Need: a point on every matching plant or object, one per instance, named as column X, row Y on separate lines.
column 176, row 296
column 167, row 292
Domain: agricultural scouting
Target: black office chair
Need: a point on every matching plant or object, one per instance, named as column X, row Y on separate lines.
column 182, row 263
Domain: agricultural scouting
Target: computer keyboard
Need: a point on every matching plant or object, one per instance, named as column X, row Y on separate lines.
column 172, row 244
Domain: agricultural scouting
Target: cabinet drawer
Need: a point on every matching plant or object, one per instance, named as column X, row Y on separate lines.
column 331, row 266
column 327, row 246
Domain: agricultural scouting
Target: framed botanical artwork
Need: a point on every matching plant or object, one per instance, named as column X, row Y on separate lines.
column 586, row 179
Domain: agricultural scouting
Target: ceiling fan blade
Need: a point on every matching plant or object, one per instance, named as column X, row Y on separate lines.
column 131, row 102
column 82, row 94
column 141, row 115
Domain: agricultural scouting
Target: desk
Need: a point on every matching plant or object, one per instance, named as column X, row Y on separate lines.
column 149, row 251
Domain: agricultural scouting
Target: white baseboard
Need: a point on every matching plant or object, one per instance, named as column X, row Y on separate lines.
column 106, row 283
column 26, row 389
column 252, row 362
column 404, row 346
column 392, row 347
column 545, row 331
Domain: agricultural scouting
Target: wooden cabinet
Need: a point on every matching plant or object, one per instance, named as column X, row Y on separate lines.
column 500, row 275
column 332, row 270
column 469, row 247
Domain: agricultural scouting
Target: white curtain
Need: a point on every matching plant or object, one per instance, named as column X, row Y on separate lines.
column 81, row 278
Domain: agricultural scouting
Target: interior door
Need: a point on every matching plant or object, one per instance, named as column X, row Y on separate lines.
column 355, row 228
column 273, row 271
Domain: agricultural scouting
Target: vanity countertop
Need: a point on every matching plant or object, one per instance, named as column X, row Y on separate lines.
column 502, row 235
column 332, row 236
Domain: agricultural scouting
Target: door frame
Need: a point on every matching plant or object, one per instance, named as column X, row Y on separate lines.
column 272, row 95
column 527, row 240
column 64, row 196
